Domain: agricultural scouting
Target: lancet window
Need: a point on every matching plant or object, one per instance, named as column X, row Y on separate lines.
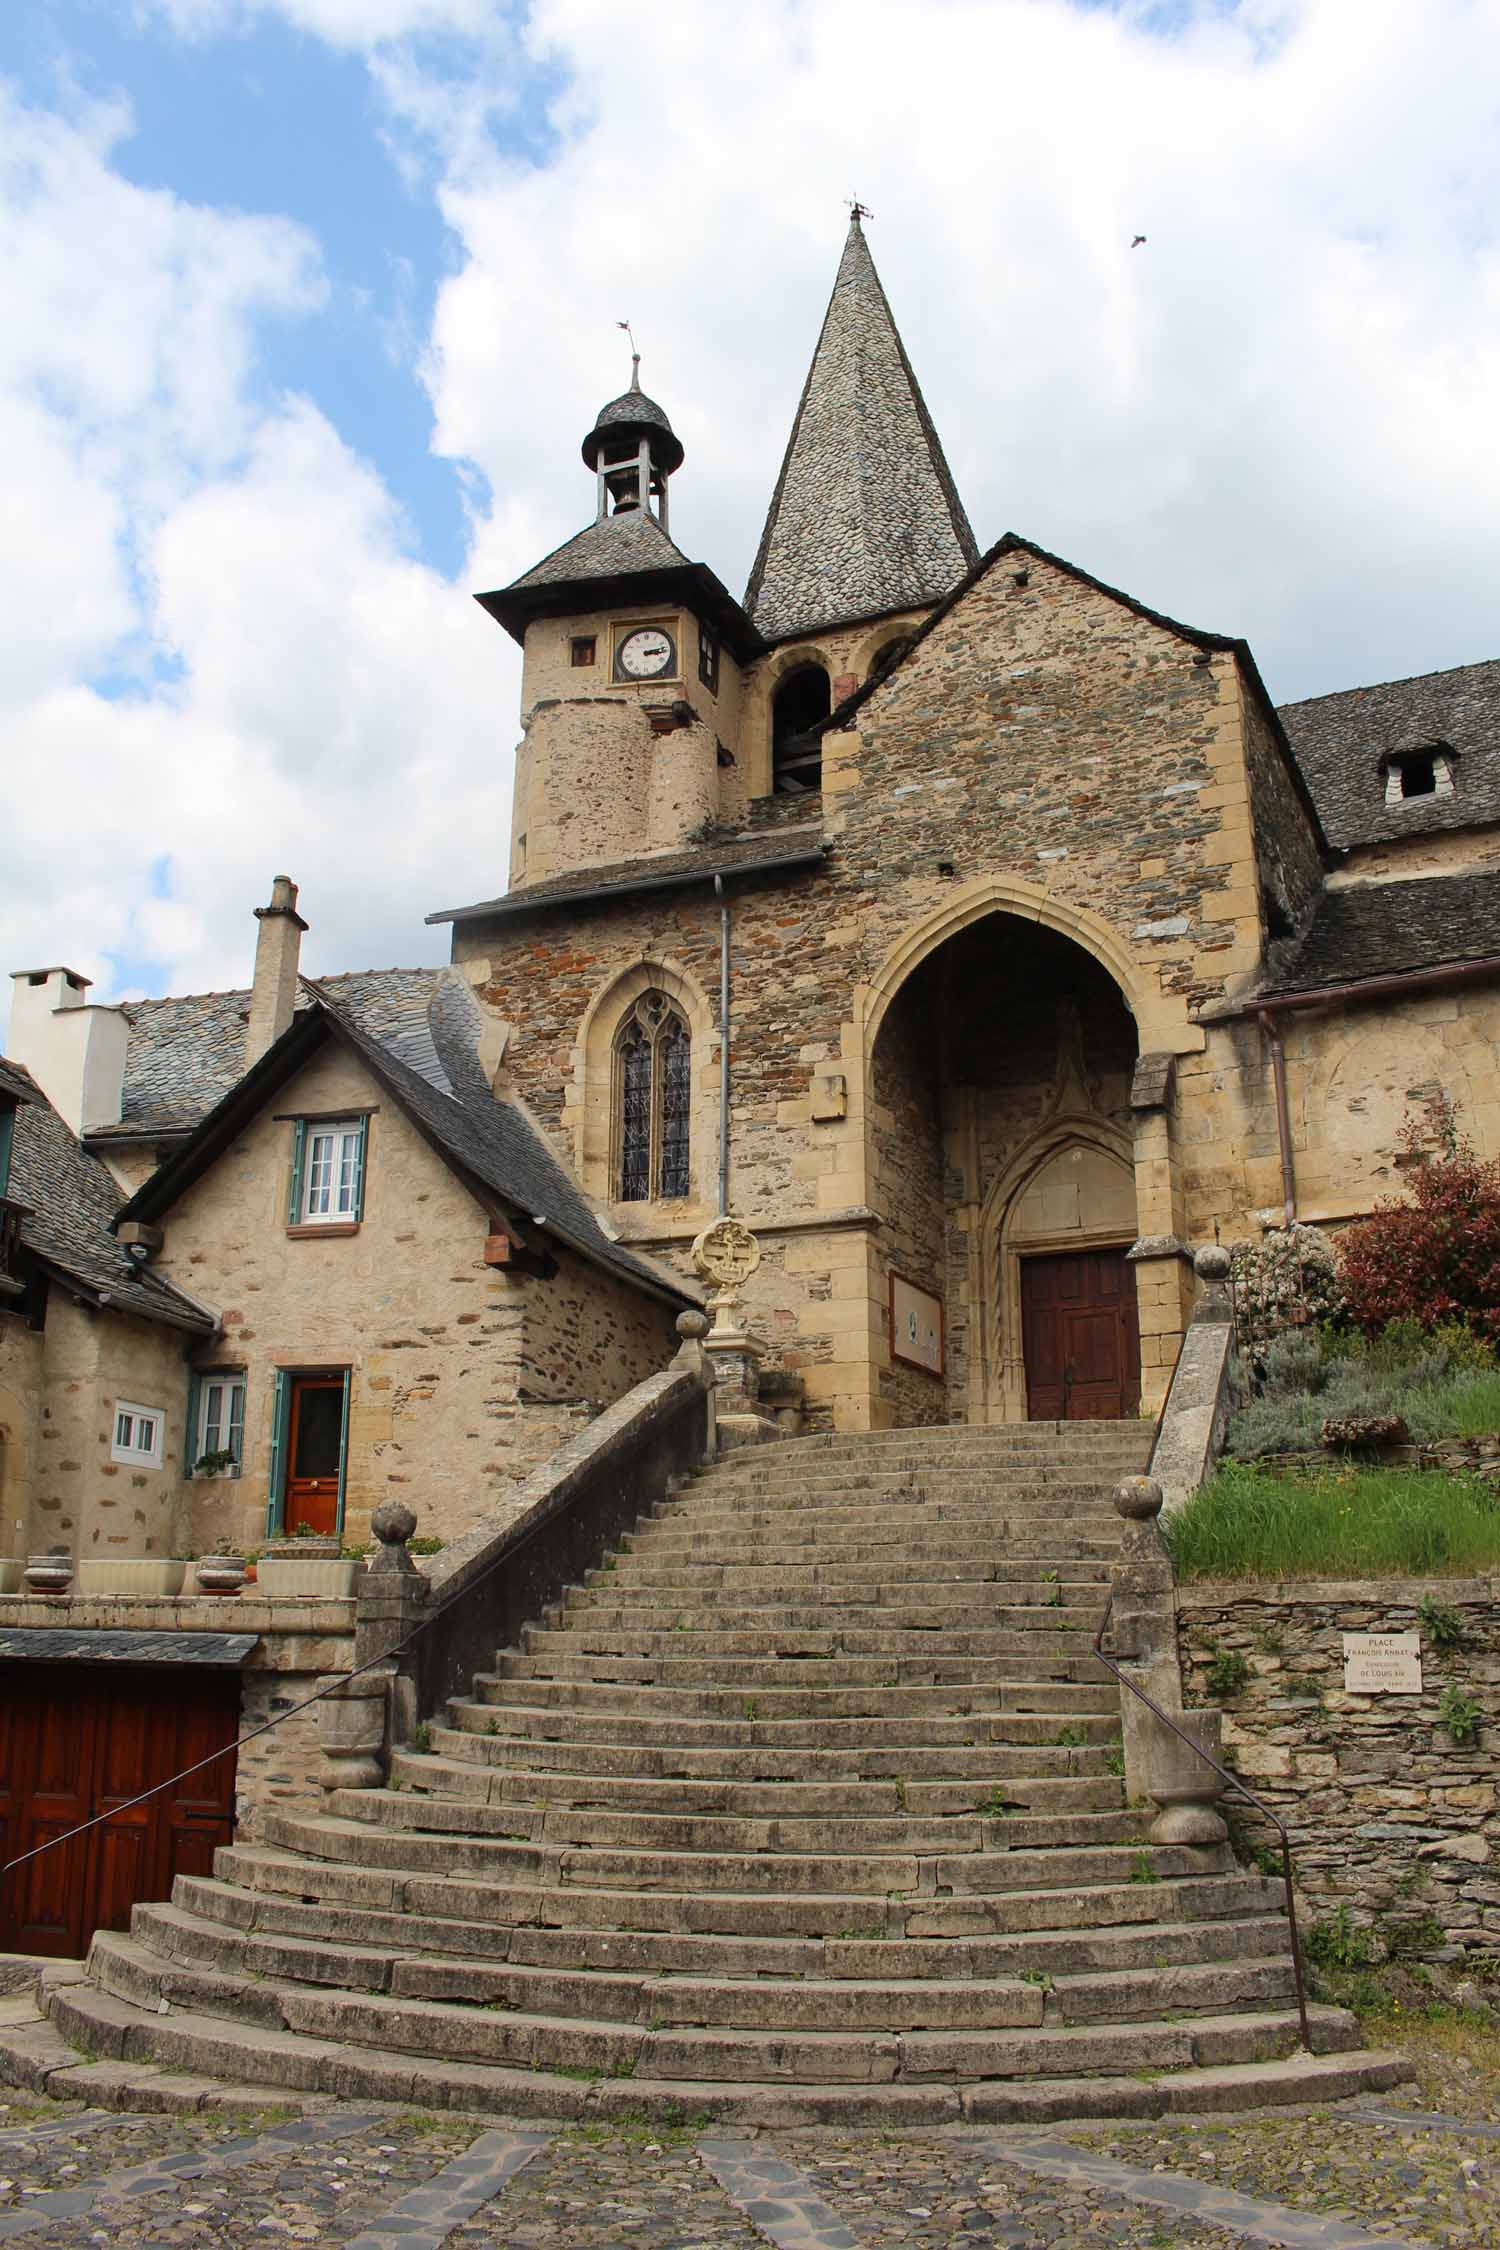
column 653, row 1098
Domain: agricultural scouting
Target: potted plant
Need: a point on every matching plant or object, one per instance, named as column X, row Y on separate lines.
column 216, row 1463
column 309, row 1567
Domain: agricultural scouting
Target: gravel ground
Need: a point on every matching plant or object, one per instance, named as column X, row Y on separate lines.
column 1366, row 2173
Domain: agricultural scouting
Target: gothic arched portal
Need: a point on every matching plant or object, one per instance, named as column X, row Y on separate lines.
column 999, row 1154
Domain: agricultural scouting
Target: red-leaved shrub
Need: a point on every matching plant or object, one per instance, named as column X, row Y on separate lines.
column 1435, row 1256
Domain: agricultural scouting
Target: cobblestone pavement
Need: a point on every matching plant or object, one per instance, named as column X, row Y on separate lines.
column 373, row 2178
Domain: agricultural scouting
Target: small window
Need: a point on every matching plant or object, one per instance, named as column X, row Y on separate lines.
column 218, row 1424
column 137, row 1438
column 800, row 705
column 582, row 651
column 1428, row 772
column 328, row 1172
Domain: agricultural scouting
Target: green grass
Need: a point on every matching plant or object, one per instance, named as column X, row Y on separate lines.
column 1336, row 1523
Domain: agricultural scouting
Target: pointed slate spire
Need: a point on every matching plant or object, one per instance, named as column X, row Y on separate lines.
column 865, row 517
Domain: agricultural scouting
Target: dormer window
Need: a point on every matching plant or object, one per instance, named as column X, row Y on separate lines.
column 1427, row 772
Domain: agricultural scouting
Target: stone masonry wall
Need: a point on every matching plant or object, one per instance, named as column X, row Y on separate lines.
column 1286, row 849
column 20, row 1427
column 1388, row 1815
column 1354, row 1071
column 81, row 1498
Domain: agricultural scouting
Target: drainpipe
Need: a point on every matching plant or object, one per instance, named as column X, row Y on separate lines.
column 723, row 1045
column 1283, row 1117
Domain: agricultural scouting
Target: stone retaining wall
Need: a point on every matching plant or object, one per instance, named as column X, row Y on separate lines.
column 1389, row 1816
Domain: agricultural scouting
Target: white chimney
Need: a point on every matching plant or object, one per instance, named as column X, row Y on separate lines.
column 74, row 1051
column 273, row 995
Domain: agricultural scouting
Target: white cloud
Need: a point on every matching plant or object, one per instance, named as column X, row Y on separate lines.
column 288, row 686
column 1273, row 418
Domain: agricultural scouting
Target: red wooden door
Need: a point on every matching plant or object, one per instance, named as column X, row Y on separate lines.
column 73, row 1744
column 1079, row 1337
column 314, row 1435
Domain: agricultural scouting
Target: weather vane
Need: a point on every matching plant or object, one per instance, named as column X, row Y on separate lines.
column 635, row 357
column 858, row 210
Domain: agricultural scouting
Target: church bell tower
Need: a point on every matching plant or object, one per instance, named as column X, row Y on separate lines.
column 630, row 691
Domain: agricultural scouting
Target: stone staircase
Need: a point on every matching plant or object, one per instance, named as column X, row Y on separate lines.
column 806, row 1806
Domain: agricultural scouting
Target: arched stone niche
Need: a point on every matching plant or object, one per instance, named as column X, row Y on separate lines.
column 1074, row 1189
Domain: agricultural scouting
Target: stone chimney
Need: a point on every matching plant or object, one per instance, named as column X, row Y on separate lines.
column 74, row 1051
column 273, row 996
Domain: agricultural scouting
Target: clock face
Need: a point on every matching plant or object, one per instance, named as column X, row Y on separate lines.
column 645, row 654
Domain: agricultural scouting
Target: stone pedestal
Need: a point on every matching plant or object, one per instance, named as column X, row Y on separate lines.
column 726, row 1254
column 1159, row 1765
column 352, row 1720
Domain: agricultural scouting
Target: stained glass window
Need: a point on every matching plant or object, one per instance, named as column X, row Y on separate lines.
column 653, row 1101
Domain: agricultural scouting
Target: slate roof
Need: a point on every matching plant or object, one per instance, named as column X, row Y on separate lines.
column 432, row 1070
column 1385, row 929
column 784, row 849
column 1341, row 740
column 16, row 1083
column 185, row 1053
column 70, row 1198
column 865, row 517
column 47, row 1644
column 608, row 549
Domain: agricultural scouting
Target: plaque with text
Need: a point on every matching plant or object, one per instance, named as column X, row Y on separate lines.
column 1383, row 1663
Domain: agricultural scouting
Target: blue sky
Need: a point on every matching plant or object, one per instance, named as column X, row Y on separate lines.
column 268, row 116
column 310, row 302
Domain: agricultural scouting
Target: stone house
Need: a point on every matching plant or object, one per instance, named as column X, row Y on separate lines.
column 371, row 1276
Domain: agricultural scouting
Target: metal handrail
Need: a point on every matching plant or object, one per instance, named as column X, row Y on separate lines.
column 1235, row 1783
column 335, row 1682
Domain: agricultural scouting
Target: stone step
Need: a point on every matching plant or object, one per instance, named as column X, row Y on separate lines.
column 505, row 1714
column 778, row 1799
column 1108, row 1950
column 794, row 1836
column 1053, row 1659
column 685, row 2052
column 801, row 1525
column 985, row 1872
column 708, row 1996
column 878, row 1695
column 104, row 2025
column 625, row 1760
column 645, row 1580
column 1008, row 1632
column 281, row 1868
column 925, row 1546
column 951, row 1601
column 910, row 1496
column 1052, row 1441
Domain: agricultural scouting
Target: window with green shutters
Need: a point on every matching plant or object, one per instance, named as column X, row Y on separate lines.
column 328, row 1171
column 216, row 1420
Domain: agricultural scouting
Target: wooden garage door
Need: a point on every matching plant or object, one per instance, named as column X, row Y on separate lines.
column 1079, row 1337
column 75, row 1742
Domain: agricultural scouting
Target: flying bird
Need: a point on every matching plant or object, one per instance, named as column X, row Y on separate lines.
column 1136, row 241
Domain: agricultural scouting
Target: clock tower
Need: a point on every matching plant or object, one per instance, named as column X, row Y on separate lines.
column 632, row 686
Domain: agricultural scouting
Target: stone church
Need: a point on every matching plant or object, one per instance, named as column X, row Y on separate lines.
column 1047, row 945
column 984, row 943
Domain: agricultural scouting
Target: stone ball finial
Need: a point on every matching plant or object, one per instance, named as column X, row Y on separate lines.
column 1138, row 1498
column 393, row 1523
column 691, row 1326
column 1211, row 1263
